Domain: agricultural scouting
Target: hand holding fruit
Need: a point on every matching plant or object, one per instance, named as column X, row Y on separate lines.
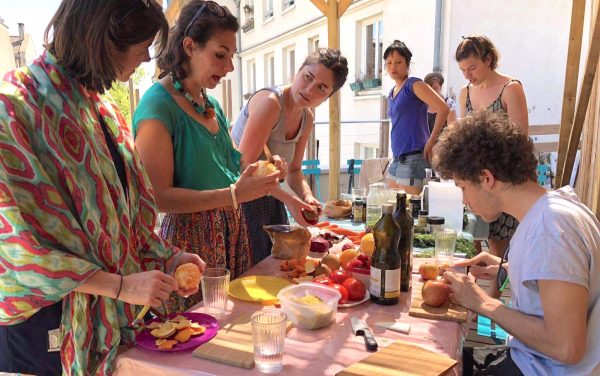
column 465, row 292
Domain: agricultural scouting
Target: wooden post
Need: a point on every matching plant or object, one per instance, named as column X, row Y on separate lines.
column 589, row 74
column 333, row 10
column 571, row 76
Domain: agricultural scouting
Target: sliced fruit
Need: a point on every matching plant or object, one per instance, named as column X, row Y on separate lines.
column 184, row 335
column 167, row 345
column 182, row 324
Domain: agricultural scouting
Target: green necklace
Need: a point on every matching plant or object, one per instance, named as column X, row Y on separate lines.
column 208, row 112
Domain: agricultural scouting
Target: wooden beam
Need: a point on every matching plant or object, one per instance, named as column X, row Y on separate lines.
column 333, row 39
column 342, row 6
column 571, row 78
column 321, row 4
column 589, row 75
column 543, row 130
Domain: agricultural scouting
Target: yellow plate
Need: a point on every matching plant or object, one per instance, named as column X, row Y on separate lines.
column 257, row 289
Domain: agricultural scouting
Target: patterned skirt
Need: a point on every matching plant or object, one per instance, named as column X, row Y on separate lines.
column 266, row 210
column 218, row 236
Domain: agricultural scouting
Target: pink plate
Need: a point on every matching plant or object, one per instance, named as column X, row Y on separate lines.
column 147, row 341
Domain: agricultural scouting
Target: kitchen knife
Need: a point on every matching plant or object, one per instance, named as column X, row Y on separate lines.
column 359, row 328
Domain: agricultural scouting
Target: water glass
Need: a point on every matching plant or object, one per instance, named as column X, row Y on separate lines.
column 268, row 334
column 215, row 287
column 359, row 193
column 445, row 242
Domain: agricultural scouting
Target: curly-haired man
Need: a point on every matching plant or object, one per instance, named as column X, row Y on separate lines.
column 554, row 258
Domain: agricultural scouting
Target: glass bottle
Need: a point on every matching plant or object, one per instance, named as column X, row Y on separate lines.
column 385, row 261
column 405, row 246
column 375, row 199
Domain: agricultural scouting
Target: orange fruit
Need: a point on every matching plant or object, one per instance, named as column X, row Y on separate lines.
column 347, row 256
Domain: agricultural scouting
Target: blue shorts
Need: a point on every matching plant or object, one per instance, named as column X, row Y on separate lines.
column 408, row 170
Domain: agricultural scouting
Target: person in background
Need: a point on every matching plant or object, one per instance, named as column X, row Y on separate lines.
column 182, row 136
column 78, row 248
column 493, row 91
column 435, row 80
column 281, row 119
column 554, row 262
column 411, row 140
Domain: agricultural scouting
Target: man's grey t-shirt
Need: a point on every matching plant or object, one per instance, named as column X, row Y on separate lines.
column 558, row 239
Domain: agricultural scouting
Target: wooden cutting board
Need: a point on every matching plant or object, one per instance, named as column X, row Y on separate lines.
column 449, row 311
column 401, row 359
column 232, row 344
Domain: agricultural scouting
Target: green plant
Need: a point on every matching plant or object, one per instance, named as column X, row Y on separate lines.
column 119, row 92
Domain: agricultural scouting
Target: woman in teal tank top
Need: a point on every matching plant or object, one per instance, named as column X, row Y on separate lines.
column 183, row 140
column 489, row 89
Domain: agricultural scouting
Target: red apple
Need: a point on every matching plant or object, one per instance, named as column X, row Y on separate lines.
column 435, row 293
column 429, row 271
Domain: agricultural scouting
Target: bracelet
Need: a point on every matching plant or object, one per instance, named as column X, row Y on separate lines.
column 120, row 286
column 233, row 198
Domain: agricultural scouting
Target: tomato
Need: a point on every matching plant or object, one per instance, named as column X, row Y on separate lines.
column 356, row 290
column 342, row 291
column 338, row 276
column 322, row 280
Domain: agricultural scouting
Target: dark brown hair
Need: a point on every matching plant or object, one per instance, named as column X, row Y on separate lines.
column 331, row 59
column 479, row 46
column 199, row 20
column 85, row 31
column 400, row 48
column 488, row 141
column 432, row 77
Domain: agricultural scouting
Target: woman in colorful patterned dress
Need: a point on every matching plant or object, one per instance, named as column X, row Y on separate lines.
column 489, row 89
column 281, row 118
column 76, row 209
column 183, row 140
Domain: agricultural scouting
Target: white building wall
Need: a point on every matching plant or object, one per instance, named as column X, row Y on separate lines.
column 7, row 57
column 532, row 37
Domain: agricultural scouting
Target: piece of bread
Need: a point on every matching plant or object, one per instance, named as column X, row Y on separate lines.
column 187, row 276
column 264, row 168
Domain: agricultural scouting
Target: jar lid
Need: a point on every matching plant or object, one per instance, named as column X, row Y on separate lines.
column 435, row 220
column 423, row 212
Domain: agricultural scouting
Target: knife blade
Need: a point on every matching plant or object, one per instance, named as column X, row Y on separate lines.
column 359, row 328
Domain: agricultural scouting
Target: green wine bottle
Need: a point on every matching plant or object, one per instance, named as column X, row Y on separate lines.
column 386, row 262
column 405, row 247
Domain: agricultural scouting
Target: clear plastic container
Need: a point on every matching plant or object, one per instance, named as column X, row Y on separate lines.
column 298, row 304
column 445, row 200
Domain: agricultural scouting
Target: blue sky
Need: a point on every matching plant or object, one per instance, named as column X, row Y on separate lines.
column 35, row 14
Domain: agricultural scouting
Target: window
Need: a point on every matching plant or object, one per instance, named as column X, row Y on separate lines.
column 313, row 44
column 287, row 3
column 251, row 84
column 268, row 9
column 270, row 70
column 365, row 151
column 289, row 64
column 372, row 50
column 248, row 16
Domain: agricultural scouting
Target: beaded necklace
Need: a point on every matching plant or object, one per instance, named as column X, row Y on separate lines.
column 208, row 112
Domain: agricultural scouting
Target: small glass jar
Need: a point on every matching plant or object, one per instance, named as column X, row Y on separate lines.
column 415, row 206
column 435, row 223
column 422, row 221
column 358, row 210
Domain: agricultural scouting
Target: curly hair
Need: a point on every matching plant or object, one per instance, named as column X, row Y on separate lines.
column 479, row 46
column 485, row 141
column 331, row 59
column 199, row 20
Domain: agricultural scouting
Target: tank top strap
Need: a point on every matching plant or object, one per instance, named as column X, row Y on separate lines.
column 506, row 84
column 274, row 89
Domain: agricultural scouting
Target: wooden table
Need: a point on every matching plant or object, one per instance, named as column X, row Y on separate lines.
column 316, row 352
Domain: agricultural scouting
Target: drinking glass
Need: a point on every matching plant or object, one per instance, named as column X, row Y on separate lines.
column 215, row 287
column 268, row 334
column 359, row 193
column 445, row 241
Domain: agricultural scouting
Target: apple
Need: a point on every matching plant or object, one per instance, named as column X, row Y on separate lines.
column 347, row 246
column 435, row 293
column 429, row 271
column 311, row 217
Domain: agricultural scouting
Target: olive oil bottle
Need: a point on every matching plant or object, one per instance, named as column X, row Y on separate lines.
column 386, row 262
column 405, row 247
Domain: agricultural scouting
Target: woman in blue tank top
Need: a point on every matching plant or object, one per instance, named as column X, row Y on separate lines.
column 408, row 102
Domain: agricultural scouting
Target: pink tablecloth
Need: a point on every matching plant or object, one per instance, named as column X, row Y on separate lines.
column 316, row 352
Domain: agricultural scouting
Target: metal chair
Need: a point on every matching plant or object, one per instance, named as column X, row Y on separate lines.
column 310, row 167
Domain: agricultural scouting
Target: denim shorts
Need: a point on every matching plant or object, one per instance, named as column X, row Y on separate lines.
column 408, row 170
